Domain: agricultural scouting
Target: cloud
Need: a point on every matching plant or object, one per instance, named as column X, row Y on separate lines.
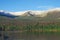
column 1, row 10
column 45, row 7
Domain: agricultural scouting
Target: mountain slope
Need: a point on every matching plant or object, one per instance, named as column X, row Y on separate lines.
column 7, row 14
column 52, row 14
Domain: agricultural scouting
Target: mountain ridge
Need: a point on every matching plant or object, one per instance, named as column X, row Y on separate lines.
column 45, row 13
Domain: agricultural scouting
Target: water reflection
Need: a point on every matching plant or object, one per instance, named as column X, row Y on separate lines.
column 32, row 36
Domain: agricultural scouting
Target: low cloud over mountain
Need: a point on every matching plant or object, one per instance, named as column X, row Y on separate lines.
column 6, row 14
column 52, row 13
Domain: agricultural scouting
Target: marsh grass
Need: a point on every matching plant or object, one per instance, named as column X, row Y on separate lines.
column 37, row 27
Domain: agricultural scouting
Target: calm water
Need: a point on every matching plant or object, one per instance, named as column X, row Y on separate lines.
column 32, row 36
column 11, row 35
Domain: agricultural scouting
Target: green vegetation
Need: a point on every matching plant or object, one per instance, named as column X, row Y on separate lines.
column 33, row 25
column 37, row 27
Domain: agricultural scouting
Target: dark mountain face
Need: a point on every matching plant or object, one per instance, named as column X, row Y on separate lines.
column 7, row 15
column 28, row 13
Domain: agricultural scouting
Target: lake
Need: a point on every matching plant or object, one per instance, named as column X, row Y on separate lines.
column 31, row 36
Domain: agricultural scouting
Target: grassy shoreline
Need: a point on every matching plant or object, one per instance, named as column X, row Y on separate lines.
column 32, row 27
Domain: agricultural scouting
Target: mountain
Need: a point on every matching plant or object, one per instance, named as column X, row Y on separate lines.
column 7, row 14
column 51, row 14
column 25, row 13
column 35, row 13
column 29, row 17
